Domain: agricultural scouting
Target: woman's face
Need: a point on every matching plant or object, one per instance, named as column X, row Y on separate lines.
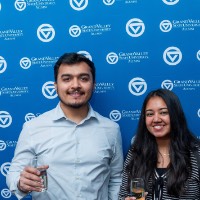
column 157, row 118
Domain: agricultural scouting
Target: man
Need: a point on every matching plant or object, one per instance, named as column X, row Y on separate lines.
column 82, row 149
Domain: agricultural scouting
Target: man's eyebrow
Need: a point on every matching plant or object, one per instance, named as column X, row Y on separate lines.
column 81, row 74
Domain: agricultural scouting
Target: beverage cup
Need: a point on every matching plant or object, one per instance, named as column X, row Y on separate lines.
column 137, row 188
column 38, row 162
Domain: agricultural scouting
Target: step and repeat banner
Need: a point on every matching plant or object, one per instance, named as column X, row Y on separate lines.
column 136, row 45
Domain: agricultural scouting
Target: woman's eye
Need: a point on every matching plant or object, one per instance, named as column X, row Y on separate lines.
column 164, row 113
column 149, row 114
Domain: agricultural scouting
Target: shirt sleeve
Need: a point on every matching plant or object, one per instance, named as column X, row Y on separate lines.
column 116, row 167
column 21, row 159
column 124, row 191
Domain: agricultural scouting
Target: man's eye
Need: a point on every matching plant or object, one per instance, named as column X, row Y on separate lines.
column 66, row 79
column 84, row 78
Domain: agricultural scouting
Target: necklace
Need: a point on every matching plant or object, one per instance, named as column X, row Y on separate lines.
column 166, row 154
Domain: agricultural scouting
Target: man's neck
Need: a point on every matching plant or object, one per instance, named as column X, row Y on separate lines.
column 75, row 114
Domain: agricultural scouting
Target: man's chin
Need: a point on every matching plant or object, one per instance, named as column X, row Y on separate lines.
column 76, row 106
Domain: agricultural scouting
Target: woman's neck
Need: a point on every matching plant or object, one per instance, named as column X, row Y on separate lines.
column 163, row 156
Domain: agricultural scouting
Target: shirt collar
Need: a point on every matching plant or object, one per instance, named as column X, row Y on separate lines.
column 59, row 114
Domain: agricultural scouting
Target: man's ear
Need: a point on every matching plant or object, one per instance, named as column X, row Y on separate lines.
column 55, row 85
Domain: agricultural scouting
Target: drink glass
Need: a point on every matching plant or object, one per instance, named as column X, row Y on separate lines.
column 38, row 162
column 137, row 188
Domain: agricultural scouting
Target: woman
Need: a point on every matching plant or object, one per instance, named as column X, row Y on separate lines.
column 163, row 151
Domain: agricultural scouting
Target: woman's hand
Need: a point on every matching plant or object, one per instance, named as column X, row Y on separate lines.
column 134, row 198
column 130, row 198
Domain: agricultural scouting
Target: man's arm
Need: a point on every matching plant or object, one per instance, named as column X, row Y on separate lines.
column 116, row 167
column 21, row 159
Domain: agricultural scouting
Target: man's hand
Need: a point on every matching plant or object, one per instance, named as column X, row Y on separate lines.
column 30, row 180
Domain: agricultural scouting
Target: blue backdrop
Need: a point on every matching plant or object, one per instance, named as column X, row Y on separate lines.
column 136, row 45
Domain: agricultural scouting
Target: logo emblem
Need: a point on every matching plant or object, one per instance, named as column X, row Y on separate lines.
column 167, row 84
column 198, row 112
column 2, row 145
column 172, row 56
column 5, row 193
column 48, row 90
column 3, row 64
column 165, row 26
column 25, row 63
column 5, row 119
column 45, row 32
column 20, row 5
column 137, row 86
column 5, row 168
column 198, row 55
column 86, row 54
column 78, row 4
column 135, row 27
column 108, row 2
column 115, row 115
column 170, row 2
column 29, row 116
column 74, row 31
column 112, row 58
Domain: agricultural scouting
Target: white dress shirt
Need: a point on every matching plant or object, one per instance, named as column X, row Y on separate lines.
column 85, row 160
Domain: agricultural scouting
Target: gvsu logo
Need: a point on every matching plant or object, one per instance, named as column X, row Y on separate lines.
column 74, row 31
column 20, row 5
column 198, row 113
column 48, row 90
column 86, row 54
column 45, row 32
column 78, row 4
column 170, row 2
column 112, row 58
column 5, row 193
column 29, row 116
column 137, row 86
column 3, row 64
column 198, row 55
column 5, row 168
column 25, row 63
column 108, row 2
column 115, row 115
column 165, row 26
column 5, row 119
column 135, row 27
column 167, row 84
column 2, row 145
column 172, row 56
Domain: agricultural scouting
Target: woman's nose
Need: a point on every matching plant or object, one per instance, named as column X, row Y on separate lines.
column 156, row 118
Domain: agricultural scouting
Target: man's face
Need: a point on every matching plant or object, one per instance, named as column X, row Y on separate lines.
column 74, row 85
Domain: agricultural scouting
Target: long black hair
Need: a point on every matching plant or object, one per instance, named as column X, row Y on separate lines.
column 144, row 148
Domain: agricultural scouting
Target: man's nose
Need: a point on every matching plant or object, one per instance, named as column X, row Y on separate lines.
column 75, row 83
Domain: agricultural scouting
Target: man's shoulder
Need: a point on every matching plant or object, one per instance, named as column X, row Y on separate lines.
column 42, row 118
column 105, row 120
